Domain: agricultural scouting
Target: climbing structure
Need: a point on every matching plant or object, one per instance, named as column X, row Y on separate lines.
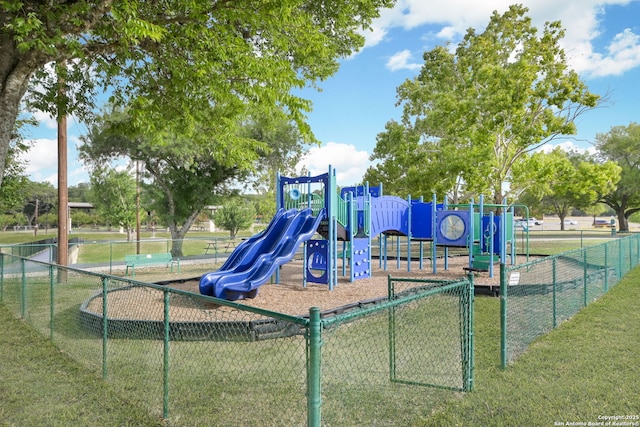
column 357, row 215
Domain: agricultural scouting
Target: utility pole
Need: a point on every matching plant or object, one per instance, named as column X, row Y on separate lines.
column 35, row 220
column 63, row 193
column 138, row 207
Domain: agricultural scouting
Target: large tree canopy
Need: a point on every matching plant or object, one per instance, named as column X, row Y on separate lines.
column 192, row 66
column 564, row 180
column 477, row 110
column 622, row 145
column 183, row 176
column 113, row 193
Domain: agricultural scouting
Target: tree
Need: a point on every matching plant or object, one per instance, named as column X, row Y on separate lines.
column 180, row 176
column 12, row 188
column 282, row 147
column 565, row 180
column 7, row 220
column 37, row 200
column 407, row 166
column 81, row 218
column 189, row 66
column 235, row 215
column 595, row 210
column 622, row 145
column 113, row 194
column 80, row 192
column 501, row 94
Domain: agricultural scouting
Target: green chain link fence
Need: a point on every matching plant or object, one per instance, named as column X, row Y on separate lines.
column 198, row 360
column 537, row 296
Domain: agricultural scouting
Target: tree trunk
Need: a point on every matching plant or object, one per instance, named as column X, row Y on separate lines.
column 177, row 234
column 15, row 71
column 623, row 221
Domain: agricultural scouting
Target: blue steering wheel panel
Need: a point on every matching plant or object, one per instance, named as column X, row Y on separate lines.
column 452, row 228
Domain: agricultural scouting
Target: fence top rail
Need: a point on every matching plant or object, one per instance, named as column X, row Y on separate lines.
column 599, row 246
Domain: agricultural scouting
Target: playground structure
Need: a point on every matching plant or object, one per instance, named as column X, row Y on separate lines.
column 347, row 222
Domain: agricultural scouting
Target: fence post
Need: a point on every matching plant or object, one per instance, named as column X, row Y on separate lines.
column 555, row 298
column 23, row 297
column 469, row 318
column 52, row 294
column 503, row 316
column 585, row 296
column 105, row 325
column 314, row 361
column 630, row 255
column 1, row 276
column 606, row 267
column 392, row 331
column 619, row 272
column 165, row 370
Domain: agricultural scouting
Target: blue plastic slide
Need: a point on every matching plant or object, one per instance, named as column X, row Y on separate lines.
column 241, row 251
column 255, row 260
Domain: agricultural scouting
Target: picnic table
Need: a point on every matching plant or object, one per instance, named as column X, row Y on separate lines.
column 215, row 245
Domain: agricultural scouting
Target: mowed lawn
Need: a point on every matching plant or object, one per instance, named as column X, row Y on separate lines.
column 586, row 370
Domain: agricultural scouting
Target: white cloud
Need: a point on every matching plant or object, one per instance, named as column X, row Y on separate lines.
column 43, row 155
column 623, row 54
column 447, row 33
column 42, row 162
column 401, row 61
column 567, row 146
column 374, row 36
column 46, row 119
column 349, row 163
column 580, row 18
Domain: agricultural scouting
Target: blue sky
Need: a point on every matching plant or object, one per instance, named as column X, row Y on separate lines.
column 602, row 43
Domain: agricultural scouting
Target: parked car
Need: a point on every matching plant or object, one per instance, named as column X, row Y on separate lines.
column 600, row 223
column 570, row 222
column 520, row 223
column 528, row 223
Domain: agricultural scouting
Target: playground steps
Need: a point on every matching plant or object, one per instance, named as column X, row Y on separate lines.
column 481, row 261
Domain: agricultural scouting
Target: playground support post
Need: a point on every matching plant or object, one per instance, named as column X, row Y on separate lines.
column 434, row 241
column 409, row 204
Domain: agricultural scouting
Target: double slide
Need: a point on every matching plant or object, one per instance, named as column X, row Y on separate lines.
column 253, row 262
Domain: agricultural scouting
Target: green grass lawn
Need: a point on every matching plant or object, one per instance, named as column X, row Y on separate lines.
column 40, row 386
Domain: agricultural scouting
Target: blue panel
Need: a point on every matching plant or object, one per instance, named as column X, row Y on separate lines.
column 488, row 232
column 318, row 254
column 389, row 213
column 361, row 265
column 422, row 220
column 359, row 191
column 461, row 219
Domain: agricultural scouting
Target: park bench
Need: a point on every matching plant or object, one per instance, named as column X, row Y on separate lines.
column 149, row 260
